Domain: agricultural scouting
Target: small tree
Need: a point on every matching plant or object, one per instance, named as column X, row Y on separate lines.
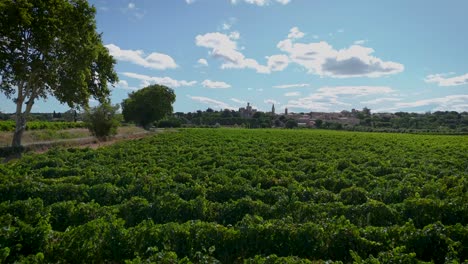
column 102, row 121
column 147, row 105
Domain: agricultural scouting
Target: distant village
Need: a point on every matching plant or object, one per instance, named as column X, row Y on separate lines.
column 356, row 120
column 309, row 119
column 249, row 117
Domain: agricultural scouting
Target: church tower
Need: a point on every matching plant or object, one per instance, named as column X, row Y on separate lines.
column 273, row 109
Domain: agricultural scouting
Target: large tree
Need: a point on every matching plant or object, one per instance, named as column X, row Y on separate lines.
column 51, row 48
column 149, row 104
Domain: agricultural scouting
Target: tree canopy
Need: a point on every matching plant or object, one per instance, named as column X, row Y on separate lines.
column 149, row 104
column 51, row 48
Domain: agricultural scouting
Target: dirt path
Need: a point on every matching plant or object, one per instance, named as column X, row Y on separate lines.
column 91, row 142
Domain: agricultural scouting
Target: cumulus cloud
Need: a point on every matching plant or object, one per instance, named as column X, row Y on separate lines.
column 238, row 101
column 260, row 2
column 212, row 102
column 295, row 85
column 271, row 101
column 224, row 47
column 295, row 33
column 322, row 59
column 215, row 84
column 444, row 80
column 202, row 62
column 153, row 60
column 277, row 62
column 457, row 103
column 123, row 84
column 314, row 103
column 292, row 94
column 381, row 100
column 167, row 81
column 327, row 99
column 354, row 90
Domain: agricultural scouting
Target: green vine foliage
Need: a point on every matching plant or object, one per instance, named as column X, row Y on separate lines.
column 241, row 196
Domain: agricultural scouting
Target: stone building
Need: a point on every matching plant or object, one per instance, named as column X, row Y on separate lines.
column 247, row 112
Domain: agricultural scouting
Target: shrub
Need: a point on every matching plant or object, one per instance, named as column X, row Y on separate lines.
column 102, row 121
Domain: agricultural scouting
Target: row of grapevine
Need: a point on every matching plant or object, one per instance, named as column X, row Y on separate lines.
column 235, row 195
column 36, row 125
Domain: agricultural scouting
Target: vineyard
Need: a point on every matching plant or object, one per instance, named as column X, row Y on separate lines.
column 37, row 125
column 241, row 196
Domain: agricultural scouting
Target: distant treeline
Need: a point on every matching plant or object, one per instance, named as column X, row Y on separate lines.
column 436, row 122
column 445, row 122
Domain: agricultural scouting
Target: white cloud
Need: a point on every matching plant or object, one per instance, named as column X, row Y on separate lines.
column 133, row 10
column 255, row 2
column 153, row 60
column 277, row 62
column 340, row 30
column 443, row 80
column 313, row 103
column 381, row 100
column 167, row 81
column 225, row 48
column 322, row 59
column 271, row 101
column 215, row 84
column 238, row 101
column 295, row 33
column 292, row 94
column 123, row 84
column 285, row 86
column 360, row 42
column 260, row 2
column 457, row 103
column 328, row 99
column 234, row 35
column 354, row 90
column 202, row 62
column 226, row 26
column 190, row 1
column 212, row 102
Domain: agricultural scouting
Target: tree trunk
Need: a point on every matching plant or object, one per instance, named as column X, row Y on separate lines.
column 20, row 127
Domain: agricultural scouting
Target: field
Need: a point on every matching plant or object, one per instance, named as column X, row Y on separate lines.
column 236, row 195
column 36, row 125
column 67, row 137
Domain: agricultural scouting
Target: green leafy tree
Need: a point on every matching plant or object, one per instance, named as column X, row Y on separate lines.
column 291, row 123
column 318, row 123
column 102, row 120
column 51, row 48
column 149, row 104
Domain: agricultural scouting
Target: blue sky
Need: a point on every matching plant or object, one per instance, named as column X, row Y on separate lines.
column 306, row 55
